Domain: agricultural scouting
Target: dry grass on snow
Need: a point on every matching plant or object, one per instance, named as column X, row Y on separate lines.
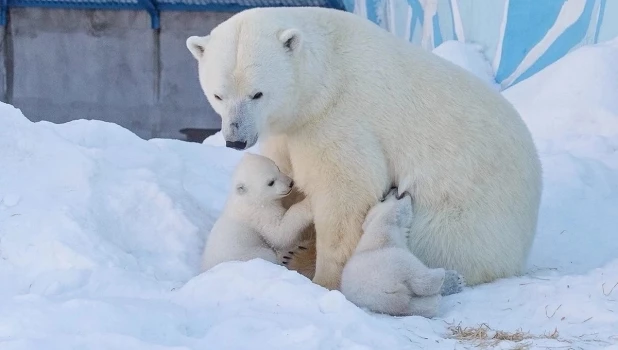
column 483, row 336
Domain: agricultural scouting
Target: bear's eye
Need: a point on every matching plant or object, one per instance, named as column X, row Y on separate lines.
column 272, row 182
column 257, row 96
column 218, row 97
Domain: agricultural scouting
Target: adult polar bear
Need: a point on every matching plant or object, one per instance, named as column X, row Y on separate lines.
column 347, row 109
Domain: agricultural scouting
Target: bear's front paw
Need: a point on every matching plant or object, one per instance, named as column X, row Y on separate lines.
column 454, row 283
column 285, row 259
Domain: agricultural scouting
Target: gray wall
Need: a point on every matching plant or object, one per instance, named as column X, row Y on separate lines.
column 61, row 65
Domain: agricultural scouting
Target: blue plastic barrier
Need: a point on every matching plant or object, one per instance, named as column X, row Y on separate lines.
column 154, row 7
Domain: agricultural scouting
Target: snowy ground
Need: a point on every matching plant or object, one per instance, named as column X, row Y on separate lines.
column 100, row 236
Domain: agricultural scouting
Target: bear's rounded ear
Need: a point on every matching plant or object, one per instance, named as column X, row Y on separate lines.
column 240, row 188
column 197, row 45
column 291, row 39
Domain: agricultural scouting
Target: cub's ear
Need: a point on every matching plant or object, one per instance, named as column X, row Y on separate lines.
column 241, row 189
column 197, row 45
column 291, row 39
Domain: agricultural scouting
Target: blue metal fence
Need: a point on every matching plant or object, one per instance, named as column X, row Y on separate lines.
column 154, row 7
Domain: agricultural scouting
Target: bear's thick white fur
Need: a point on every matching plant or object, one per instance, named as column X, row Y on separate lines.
column 383, row 275
column 348, row 109
column 254, row 223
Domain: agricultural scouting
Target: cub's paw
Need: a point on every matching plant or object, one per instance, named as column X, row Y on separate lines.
column 454, row 283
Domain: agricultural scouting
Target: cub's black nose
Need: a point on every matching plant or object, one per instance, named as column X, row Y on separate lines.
column 238, row 145
column 292, row 183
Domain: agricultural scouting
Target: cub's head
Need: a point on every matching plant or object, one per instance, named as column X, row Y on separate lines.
column 258, row 179
column 248, row 70
column 392, row 215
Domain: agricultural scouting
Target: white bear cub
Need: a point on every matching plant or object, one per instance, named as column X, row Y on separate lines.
column 254, row 222
column 383, row 275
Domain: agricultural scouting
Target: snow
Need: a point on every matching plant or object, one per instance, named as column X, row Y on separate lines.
column 101, row 234
column 470, row 57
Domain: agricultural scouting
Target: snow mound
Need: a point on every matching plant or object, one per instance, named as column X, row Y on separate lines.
column 571, row 108
column 101, row 234
column 470, row 57
column 89, row 193
column 100, row 241
column 215, row 139
column 572, row 104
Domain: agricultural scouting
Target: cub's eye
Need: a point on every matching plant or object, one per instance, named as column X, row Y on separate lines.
column 272, row 182
column 218, row 97
column 257, row 96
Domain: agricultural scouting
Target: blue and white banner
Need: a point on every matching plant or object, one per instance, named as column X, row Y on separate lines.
column 519, row 37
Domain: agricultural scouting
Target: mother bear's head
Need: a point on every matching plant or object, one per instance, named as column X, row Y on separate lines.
column 250, row 70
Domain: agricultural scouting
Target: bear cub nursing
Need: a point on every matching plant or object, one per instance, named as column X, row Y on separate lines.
column 384, row 276
column 254, row 222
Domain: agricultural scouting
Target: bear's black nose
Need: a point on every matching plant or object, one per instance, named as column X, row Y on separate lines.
column 238, row 145
column 292, row 183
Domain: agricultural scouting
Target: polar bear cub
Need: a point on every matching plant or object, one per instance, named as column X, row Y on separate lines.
column 384, row 276
column 254, row 222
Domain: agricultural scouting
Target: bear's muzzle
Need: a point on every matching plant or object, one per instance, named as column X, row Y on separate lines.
column 237, row 145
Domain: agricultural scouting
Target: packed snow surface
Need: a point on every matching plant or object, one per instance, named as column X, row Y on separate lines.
column 101, row 234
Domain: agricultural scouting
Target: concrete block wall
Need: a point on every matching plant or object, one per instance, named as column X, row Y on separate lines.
column 61, row 65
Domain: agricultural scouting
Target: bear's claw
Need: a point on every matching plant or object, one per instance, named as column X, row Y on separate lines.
column 286, row 258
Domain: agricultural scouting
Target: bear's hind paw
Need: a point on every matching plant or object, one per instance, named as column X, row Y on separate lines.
column 454, row 283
